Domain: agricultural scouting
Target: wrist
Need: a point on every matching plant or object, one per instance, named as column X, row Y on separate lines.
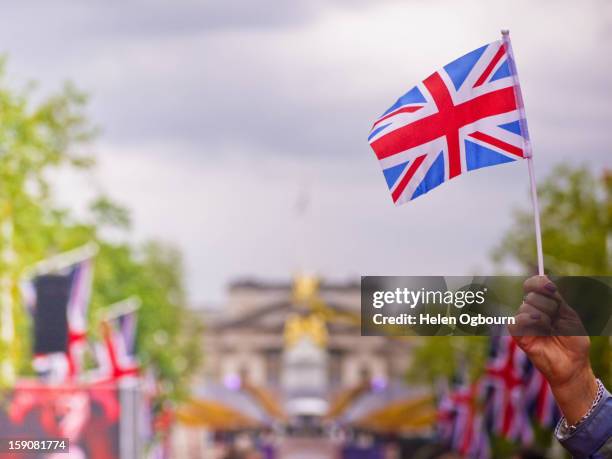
column 576, row 395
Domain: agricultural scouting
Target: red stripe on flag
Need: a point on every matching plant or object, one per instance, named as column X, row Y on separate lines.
column 439, row 124
column 409, row 109
column 74, row 339
column 446, row 110
column 406, row 178
column 497, row 143
column 498, row 55
column 117, row 370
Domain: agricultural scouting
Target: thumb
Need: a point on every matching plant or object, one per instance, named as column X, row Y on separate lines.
column 524, row 342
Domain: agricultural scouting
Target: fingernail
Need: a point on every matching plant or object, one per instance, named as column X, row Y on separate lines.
column 535, row 316
column 552, row 288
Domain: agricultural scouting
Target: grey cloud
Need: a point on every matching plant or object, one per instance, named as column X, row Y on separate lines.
column 158, row 18
column 202, row 106
column 235, row 88
column 155, row 18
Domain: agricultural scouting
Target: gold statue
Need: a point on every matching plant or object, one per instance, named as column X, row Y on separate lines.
column 311, row 326
column 305, row 289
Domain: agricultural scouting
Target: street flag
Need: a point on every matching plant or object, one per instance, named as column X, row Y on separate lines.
column 542, row 404
column 81, row 276
column 51, row 296
column 465, row 116
column 59, row 303
column 117, row 353
column 505, row 388
column 460, row 424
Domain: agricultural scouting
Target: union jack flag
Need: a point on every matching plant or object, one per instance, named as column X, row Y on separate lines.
column 460, row 424
column 80, row 293
column 465, row 116
column 506, row 399
column 542, row 404
column 515, row 392
column 68, row 365
column 117, row 354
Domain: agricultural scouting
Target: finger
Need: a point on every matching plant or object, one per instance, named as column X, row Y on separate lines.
column 535, row 315
column 516, row 327
column 542, row 285
column 528, row 326
column 523, row 325
column 524, row 342
column 530, row 321
column 543, row 303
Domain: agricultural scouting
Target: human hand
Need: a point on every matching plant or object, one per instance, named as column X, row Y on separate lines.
column 553, row 337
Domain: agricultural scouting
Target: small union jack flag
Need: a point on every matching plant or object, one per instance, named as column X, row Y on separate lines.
column 505, row 385
column 81, row 275
column 460, row 424
column 117, row 355
column 465, row 116
column 542, row 404
column 68, row 364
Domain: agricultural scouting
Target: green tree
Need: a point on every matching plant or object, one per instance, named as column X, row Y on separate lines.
column 35, row 140
column 447, row 357
column 169, row 335
column 576, row 216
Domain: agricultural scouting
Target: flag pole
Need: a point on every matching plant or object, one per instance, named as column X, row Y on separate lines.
column 536, row 216
column 528, row 149
column 62, row 260
column 121, row 308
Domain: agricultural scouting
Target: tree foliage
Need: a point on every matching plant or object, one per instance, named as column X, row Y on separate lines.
column 446, row 357
column 35, row 140
column 576, row 215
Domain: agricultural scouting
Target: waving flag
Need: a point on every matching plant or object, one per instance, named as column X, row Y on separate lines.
column 117, row 354
column 460, row 424
column 81, row 275
column 59, row 303
column 465, row 116
column 507, row 402
column 542, row 404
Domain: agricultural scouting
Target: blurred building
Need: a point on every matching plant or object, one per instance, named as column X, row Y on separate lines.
column 292, row 355
column 275, row 336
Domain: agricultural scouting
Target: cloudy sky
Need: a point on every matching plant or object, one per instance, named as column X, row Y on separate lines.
column 218, row 117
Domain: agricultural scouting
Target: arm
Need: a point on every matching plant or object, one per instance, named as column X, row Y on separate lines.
column 592, row 437
column 552, row 335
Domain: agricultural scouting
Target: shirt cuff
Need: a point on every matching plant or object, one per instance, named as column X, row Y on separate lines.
column 592, row 433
